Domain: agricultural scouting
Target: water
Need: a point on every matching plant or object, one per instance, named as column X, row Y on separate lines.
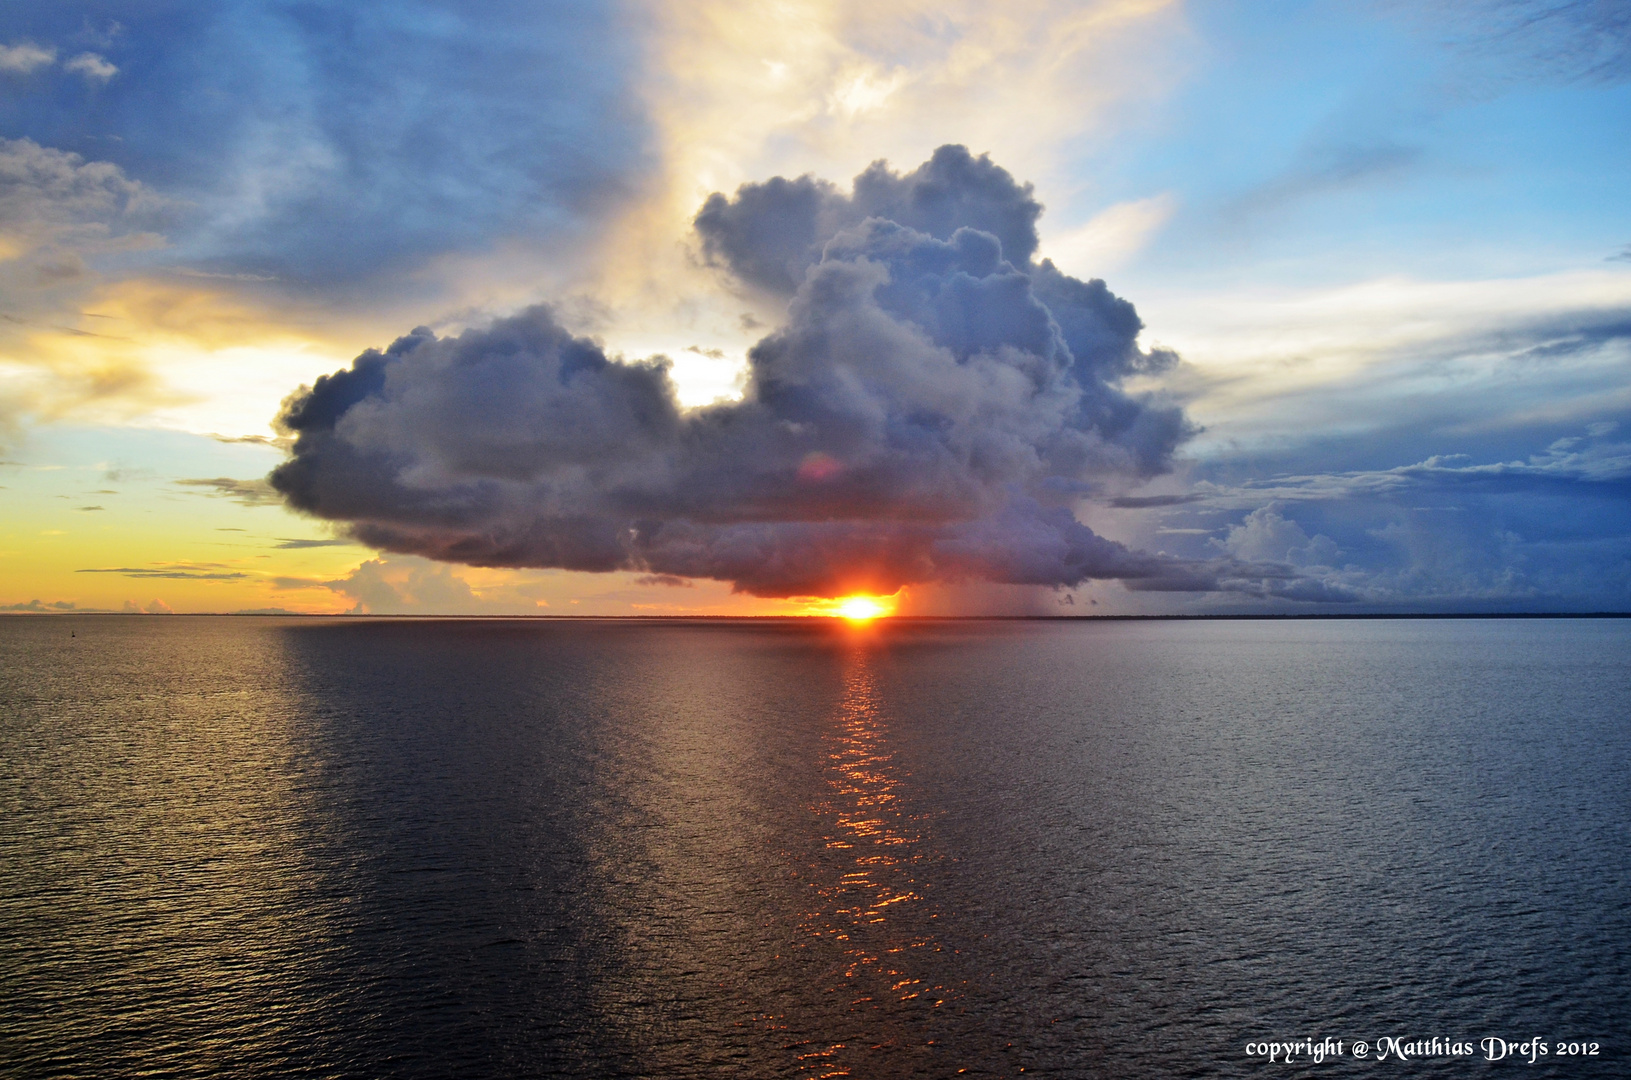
column 377, row 848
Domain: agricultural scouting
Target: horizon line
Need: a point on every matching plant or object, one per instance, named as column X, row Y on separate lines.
column 1215, row 617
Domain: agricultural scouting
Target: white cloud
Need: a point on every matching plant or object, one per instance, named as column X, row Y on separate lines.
column 24, row 57
column 407, row 584
column 1266, row 536
column 92, row 66
column 51, row 198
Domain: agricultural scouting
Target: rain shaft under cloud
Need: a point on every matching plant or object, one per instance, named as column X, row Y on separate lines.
column 929, row 411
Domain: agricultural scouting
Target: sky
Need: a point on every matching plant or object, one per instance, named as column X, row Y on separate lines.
column 1102, row 307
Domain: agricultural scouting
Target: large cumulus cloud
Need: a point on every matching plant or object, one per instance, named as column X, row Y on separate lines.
column 929, row 410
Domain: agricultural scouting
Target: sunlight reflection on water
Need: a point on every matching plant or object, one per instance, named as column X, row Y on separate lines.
column 342, row 848
column 870, row 902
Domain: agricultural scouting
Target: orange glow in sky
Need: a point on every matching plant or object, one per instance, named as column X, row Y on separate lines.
column 861, row 608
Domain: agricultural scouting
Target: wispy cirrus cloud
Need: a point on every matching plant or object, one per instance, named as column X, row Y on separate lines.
column 301, row 545
column 256, row 492
column 1279, row 367
column 1567, row 463
column 1320, row 169
column 172, row 571
column 1554, row 39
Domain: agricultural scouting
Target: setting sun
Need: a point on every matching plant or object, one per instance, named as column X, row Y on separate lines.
column 861, row 608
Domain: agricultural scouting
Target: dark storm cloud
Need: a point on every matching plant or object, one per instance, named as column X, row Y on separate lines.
column 325, row 144
column 769, row 236
column 930, row 409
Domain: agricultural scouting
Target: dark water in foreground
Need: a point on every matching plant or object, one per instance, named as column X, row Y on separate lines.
column 283, row 847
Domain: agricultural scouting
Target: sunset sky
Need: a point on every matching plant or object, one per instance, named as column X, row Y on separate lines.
column 1390, row 248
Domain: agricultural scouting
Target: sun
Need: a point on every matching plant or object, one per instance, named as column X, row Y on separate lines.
column 860, row 608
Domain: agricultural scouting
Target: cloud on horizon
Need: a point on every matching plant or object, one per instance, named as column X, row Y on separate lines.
column 41, row 606
column 1550, row 531
column 409, row 585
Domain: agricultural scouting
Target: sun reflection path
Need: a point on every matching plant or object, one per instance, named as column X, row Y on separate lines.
column 871, row 903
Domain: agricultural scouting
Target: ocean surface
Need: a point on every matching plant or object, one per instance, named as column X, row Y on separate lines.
column 439, row 848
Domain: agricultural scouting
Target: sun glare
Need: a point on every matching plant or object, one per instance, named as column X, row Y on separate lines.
column 861, row 608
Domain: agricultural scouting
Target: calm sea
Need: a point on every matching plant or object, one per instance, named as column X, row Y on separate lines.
column 379, row 848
